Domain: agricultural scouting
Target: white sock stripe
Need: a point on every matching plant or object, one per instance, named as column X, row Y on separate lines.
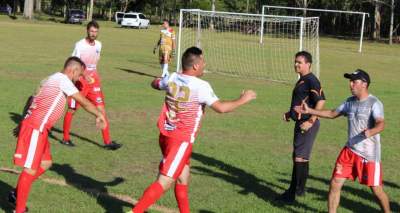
column 178, row 157
column 377, row 174
column 32, row 148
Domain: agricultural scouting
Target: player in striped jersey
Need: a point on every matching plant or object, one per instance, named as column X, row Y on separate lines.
column 88, row 50
column 179, row 122
column 47, row 106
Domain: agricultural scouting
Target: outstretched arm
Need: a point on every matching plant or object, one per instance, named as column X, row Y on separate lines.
column 229, row 106
column 305, row 109
column 92, row 109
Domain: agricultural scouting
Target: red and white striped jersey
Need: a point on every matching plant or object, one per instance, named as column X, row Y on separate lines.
column 88, row 53
column 184, row 104
column 49, row 102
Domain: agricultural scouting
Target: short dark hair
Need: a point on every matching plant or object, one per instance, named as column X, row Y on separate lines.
column 306, row 55
column 190, row 56
column 73, row 59
column 92, row 24
column 165, row 20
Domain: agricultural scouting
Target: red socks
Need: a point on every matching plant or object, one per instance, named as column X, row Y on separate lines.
column 150, row 196
column 67, row 125
column 23, row 187
column 181, row 195
column 106, row 133
column 67, row 128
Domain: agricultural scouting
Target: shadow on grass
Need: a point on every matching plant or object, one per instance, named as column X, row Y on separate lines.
column 352, row 205
column 4, row 204
column 249, row 183
column 94, row 188
column 137, row 72
column 17, row 119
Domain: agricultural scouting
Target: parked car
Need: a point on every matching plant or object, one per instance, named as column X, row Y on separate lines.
column 75, row 16
column 6, row 9
column 118, row 17
column 135, row 20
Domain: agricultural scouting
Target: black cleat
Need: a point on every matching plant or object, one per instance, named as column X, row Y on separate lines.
column 112, row 146
column 12, row 199
column 300, row 193
column 67, row 143
column 286, row 197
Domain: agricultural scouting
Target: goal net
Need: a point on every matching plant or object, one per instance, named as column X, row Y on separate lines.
column 343, row 24
column 249, row 45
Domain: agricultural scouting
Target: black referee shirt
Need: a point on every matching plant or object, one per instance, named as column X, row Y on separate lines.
column 308, row 89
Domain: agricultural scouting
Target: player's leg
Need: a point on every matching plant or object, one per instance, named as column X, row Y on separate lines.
column 67, row 126
column 32, row 153
column 334, row 193
column 166, row 58
column 382, row 198
column 95, row 95
column 176, row 154
column 181, row 190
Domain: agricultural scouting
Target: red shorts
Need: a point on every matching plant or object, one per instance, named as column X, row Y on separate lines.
column 349, row 165
column 176, row 154
column 32, row 147
column 91, row 91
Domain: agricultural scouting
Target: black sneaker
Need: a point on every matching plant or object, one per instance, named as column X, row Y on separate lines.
column 12, row 199
column 286, row 197
column 112, row 146
column 67, row 143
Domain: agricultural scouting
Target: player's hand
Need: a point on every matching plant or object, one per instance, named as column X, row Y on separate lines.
column 286, row 116
column 302, row 109
column 248, row 95
column 305, row 126
column 101, row 122
column 367, row 133
column 154, row 50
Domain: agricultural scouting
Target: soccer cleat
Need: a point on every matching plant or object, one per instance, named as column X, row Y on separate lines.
column 286, row 197
column 67, row 143
column 300, row 192
column 112, row 146
column 12, row 199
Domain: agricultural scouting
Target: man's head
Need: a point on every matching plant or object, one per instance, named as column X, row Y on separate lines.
column 165, row 24
column 359, row 82
column 193, row 62
column 302, row 62
column 73, row 68
column 92, row 29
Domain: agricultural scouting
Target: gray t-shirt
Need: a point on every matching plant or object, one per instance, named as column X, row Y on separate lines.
column 362, row 115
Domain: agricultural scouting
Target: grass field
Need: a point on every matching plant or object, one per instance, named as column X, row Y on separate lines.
column 241, row 161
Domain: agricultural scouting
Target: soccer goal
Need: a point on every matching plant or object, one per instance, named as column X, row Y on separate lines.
column 232, row 44
column 341, row 23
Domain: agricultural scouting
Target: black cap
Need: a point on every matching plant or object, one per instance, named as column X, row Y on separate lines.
column 359, row 74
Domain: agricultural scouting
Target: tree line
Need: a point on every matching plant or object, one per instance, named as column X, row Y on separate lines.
column 384, row 15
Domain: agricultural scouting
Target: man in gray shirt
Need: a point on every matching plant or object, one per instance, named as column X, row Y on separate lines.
column 361, row 157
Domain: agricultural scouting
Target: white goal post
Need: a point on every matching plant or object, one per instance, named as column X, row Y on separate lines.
column 363, row 14
column 231, row 42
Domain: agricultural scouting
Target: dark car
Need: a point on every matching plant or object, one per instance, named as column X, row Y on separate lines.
column 75, row 16
column 6, row 9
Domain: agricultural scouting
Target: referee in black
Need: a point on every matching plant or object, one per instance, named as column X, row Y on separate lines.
column 307, row 89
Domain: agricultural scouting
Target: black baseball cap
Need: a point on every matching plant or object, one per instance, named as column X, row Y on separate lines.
column 358, row 74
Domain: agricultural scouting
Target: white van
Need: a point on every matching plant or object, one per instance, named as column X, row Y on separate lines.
column 135, row 20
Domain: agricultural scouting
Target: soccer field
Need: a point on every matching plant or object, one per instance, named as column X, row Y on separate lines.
column 241, row 160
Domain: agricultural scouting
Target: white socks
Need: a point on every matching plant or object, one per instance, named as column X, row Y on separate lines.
column 164, row 68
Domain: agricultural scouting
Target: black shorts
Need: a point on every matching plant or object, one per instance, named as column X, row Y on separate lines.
column 303, row 142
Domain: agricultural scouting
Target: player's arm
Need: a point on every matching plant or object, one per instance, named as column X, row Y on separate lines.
column 379, row 127
column 319, row 106
column 229, row 106
column 305, row 109
column 377, row 113
column 157, row 45
column 92, row 109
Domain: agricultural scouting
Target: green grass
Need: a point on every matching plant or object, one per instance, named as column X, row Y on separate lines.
column 241, row 160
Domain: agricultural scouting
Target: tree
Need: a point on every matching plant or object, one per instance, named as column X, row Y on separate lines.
column 28, row 9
